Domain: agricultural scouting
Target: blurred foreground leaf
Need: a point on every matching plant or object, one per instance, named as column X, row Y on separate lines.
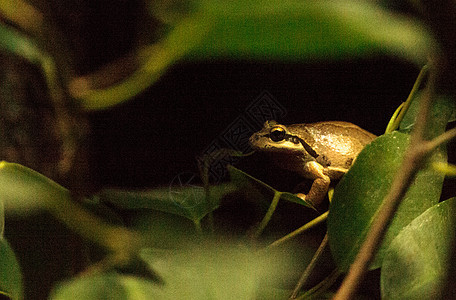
column 265, row 30
column 210, row 271
column 10, row 273
column 23, row 190
column 107, row 286
column 358, row 197
column 303, row 30
column 19, row 44
column 415, row 263
column 217, row 271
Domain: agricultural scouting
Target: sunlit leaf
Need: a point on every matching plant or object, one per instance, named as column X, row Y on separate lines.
column 10, row 273
column 415, row 263
column 359, row 194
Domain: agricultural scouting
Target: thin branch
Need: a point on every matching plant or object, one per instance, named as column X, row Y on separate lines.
column 321, row 218
column 322, row 286
column 406, row 104
column 308, row 271
column 441, row 139
column 268, row 214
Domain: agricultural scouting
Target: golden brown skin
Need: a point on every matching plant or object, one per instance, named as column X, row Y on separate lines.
column 322, row 151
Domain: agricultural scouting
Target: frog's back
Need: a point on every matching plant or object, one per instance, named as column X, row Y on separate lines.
column 344, row 129
column 337, row 143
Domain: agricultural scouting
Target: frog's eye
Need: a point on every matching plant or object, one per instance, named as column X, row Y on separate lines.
column 277, row 134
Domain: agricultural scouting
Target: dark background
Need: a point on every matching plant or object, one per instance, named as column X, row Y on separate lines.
column 149, row 140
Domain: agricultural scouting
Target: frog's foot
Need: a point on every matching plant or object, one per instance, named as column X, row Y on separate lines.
column 304, row 198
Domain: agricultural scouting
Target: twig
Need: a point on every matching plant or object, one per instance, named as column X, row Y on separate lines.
column 322, row 286
column 300, row 230
column 305, row 275
column 441, row 139
column 404, row 108
column 268, row 215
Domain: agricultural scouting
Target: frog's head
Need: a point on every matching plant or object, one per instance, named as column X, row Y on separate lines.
column 276, row 138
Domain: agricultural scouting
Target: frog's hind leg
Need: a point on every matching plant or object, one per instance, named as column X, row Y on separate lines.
column 319, row 187
column 317, row 191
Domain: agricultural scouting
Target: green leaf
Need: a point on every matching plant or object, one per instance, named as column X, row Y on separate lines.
column 186, row 201
column 107, row 286
column 217, row 271
column 10, row 273
column 297, row 30
column 359, row 195
column 2, row 218
column 24, row 190
column 211, row 271
column 262, row 191
column 442, row 111
column 415, row 263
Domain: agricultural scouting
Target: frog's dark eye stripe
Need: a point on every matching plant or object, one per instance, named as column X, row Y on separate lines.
column 279, row 134
column 308, row 148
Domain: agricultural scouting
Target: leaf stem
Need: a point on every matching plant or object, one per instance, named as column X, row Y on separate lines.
column 406, row 104
column 308, row 271
column 268, row 215
column 323, row 285
column 321, row 218
column 198, row 227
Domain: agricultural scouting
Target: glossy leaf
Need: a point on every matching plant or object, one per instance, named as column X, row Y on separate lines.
column 10, row 273
column 186, row 201
column 359, row 194
column 415, row 263
column 263, row 191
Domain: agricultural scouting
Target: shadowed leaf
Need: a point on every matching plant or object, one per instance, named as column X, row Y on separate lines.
column 415, row 263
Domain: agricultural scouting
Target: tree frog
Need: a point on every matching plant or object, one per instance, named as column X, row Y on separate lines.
column 322, row 151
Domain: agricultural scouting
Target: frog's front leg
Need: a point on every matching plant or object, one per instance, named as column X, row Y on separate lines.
column 320, row 185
